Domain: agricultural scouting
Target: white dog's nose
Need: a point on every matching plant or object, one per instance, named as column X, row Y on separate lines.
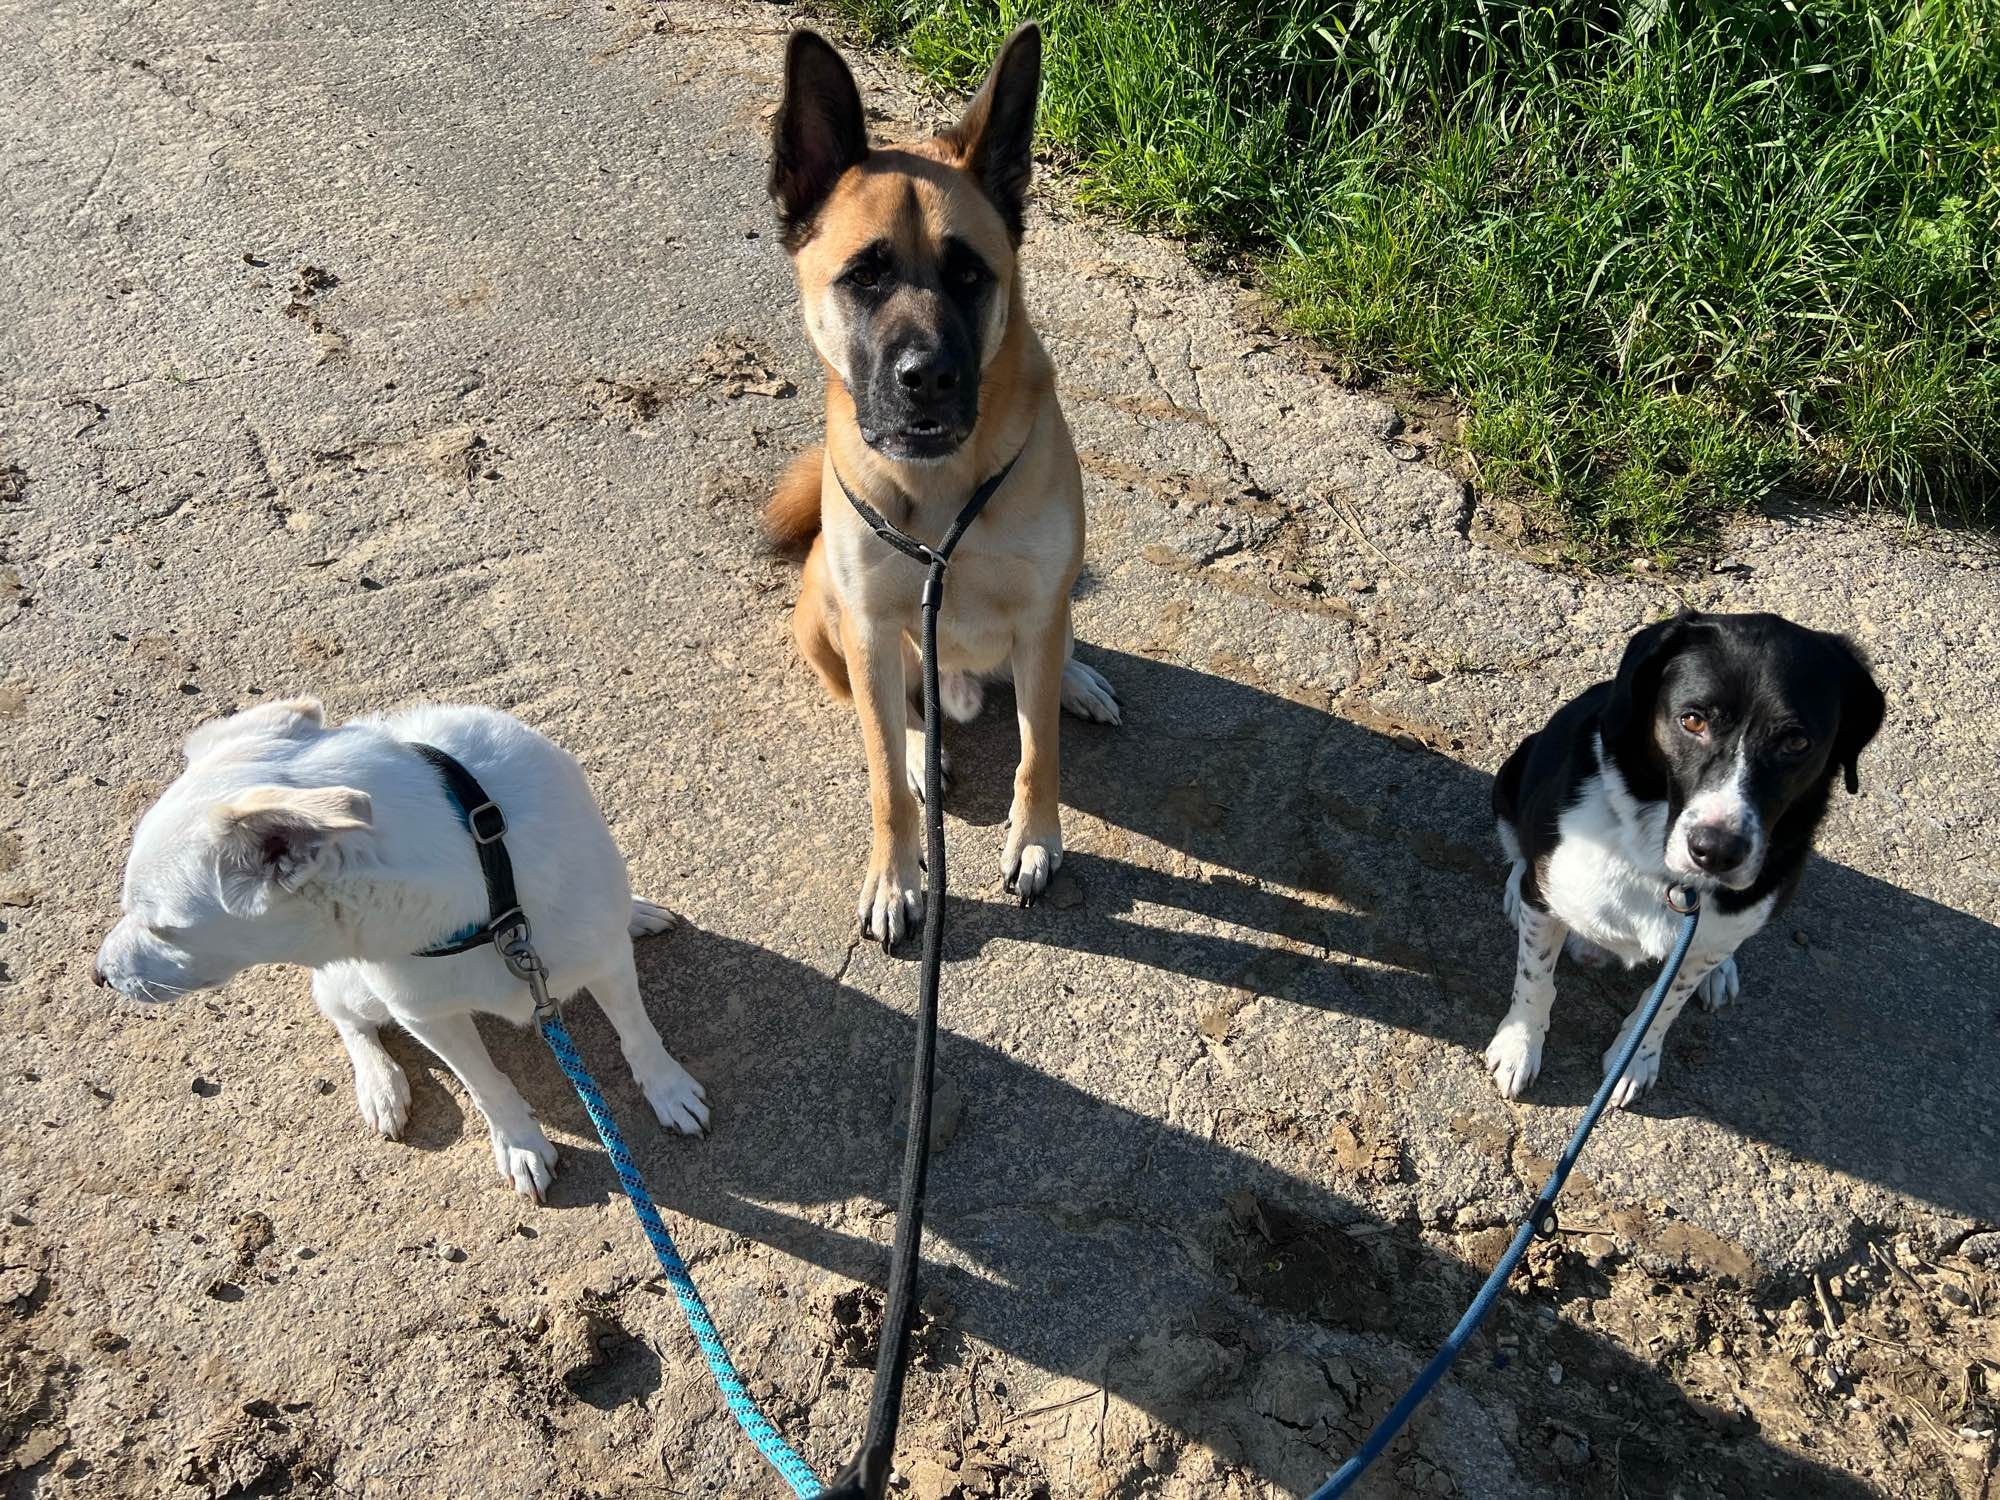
column 97, row 977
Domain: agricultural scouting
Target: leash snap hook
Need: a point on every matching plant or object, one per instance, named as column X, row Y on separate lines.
column 517, row 952
column 1683, row 899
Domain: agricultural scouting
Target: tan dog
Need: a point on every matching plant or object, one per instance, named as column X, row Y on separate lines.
column 906, row 259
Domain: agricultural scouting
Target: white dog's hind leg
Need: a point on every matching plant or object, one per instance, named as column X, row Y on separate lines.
column 380, row 1089
column 649, row 917
column 523, row 1155
column 679, row 1101
column 1514, row 1056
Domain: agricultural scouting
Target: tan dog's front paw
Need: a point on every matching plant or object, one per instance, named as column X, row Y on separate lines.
column 892, row 901
column 1027, row 862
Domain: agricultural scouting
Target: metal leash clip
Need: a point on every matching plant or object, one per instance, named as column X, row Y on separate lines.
column 518, row 953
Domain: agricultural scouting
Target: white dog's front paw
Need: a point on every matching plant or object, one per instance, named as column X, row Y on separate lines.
column 961, row 695
column 526, row 1158
column 679, row 1101
column 1722, row 986
column 1026, row 864
column 1642, row 1075
column 891, row 904
column 383, row 1094
column 1087, row 693
column 1514, row 1058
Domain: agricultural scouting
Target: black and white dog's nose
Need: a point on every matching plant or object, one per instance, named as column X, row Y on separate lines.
column 1716, row 849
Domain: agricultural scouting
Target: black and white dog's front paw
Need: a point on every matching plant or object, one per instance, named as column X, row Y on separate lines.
column 1514, row 1057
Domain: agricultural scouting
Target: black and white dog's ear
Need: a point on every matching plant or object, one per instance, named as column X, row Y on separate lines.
column 277, row 836
column 1633, row 691
column 818, row 134
column 1861, row 709
column 995, row 136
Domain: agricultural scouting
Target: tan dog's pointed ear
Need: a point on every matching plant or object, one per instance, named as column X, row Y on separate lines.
column 995, row 137
column 280, row 835
column 818, row 134
column 294, row 718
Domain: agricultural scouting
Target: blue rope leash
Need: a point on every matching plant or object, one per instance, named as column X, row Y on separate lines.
column 1542, row 1213
column 789, row 1465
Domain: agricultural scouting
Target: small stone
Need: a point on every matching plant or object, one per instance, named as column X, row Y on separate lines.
column 1642, row 565
column 19, row 1283
column 1555, row 1373
column 322, row 1086
column 1982, row 1249
column 1361, row 585
column 1065, row 893
column 251, row 1234
column 451, row 1253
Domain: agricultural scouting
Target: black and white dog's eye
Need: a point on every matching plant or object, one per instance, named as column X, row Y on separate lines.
column 1694, row 723
column 1795, row 744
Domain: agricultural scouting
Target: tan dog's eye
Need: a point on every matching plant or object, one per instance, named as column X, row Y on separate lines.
column 1694, row 723
column 865, row 277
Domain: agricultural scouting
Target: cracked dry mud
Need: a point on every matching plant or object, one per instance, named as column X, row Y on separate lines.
column 1224, row 1164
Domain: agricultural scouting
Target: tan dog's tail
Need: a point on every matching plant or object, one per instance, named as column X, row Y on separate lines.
column 791, row 520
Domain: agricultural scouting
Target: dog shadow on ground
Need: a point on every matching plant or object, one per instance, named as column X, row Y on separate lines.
column 1867, row 1037
column 1307, row 842
column 1080, row 1236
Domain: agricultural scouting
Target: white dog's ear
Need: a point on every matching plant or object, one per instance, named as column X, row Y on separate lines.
column 279, row 835
column 293, row 719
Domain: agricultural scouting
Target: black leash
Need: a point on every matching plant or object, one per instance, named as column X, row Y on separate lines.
column 868, row 1476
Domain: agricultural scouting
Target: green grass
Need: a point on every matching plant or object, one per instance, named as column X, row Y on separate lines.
column 1670, row 255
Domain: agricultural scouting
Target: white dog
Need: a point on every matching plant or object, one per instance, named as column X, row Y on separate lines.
column 286, row 841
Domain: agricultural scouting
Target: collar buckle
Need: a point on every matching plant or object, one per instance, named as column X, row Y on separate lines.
column 486, row 823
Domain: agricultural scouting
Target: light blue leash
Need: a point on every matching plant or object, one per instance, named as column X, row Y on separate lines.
column 506, row 928
column 1541, row 1220
column 789, row 1465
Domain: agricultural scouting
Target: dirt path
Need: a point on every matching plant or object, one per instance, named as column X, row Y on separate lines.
column 446, row 351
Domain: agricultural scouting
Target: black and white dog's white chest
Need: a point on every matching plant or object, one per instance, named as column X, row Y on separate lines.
column 1605, row 877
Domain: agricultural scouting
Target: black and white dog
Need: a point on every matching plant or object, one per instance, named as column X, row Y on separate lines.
column 1707, row 762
